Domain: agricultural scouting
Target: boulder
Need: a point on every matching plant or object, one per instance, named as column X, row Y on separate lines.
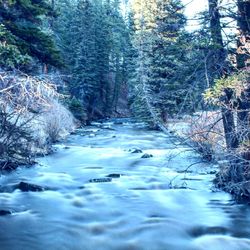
column 4, row 212
column 99, row 180
column 23, row 186
column 135, row 151
column 27, row 187
column 147, row 156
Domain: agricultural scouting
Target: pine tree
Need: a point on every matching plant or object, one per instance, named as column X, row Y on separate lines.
column 65, row 27
column 156, row 86
column 22, row 22
column 143, row 22
column 167, row 59
column 86, row 85
column 119, row 43
column 97, row 54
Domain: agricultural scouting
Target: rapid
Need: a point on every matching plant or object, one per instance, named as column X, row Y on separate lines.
column 99, row 193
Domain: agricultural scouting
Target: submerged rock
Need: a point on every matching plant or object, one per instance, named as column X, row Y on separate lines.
column 98, row 180
column 4, row 212
column 114, row 175
column 27, row 187
column 118, row 122
column 199, row 231
column 147, row 156
column 107, row 127
column 135, row 151
column 23, row 186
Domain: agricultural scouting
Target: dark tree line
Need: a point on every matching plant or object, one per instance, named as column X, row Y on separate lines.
column 100, row 50
column 93, row 37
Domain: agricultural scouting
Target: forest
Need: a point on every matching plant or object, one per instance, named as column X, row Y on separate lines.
column 69, row 65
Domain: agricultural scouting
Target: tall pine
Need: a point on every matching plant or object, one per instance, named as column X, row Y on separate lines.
column 21, row 33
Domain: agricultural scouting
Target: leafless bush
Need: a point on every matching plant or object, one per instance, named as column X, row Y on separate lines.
column 23, row 93
column 58, row 121
column 205, row 130
column 22, row 100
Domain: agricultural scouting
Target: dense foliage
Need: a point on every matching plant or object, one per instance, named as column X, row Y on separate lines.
column 97, row 56
column 22, row 37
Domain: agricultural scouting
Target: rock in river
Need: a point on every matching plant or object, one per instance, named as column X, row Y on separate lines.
column 135, row 151
column 27, row 187
column 23, row 186
column 101, row 180
column 147, row 156
column 4, row 212
column 113, row 175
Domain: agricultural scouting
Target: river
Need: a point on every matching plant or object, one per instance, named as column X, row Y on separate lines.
column 102, row 195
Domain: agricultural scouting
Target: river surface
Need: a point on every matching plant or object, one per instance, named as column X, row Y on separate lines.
column 165, row 202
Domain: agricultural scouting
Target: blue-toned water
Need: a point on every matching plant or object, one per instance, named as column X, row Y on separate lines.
column 165, row 202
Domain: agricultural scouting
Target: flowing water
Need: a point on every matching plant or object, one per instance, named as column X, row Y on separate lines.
column 165, row 202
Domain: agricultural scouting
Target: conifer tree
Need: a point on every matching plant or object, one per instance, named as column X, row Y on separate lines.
column 156, row 86
column 22, row 25
column 96, row 57
column 167, row 58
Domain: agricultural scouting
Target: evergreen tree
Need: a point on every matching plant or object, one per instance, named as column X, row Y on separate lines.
column 119, row 45
column 156, row 85
column 97, row 54
column 21, row 30
column 66, row 31
column 243, row 63
column 167, row 59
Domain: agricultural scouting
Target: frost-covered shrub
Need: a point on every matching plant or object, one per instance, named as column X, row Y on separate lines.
column 51, row 126
column 206, row 131
column 58, row 122
column 30, row 118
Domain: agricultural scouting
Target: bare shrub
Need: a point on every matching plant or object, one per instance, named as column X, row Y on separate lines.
column 58, row 121
column 205, row 130
column 23, row 99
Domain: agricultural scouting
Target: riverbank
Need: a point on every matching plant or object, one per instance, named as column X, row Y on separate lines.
column 32, row 118
column 204, row 133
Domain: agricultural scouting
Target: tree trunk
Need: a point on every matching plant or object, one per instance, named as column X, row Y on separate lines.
column 243, row 62
column 219, row 67
column 243, row 42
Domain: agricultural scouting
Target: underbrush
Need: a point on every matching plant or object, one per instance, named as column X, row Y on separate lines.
column 31, row 118
column 204, row 132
